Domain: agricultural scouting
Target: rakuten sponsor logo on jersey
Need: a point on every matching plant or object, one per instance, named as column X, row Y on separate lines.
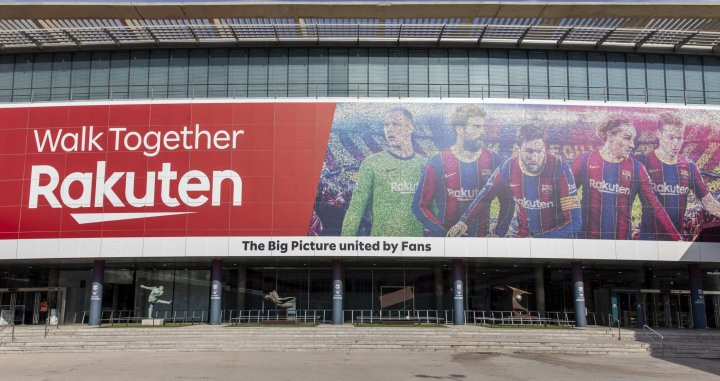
column 463, row 194
column 403, row 187
column 605, row 187
column 533, row 204
column 670, row 189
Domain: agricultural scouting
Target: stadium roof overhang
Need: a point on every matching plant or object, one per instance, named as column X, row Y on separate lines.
column 661, row 26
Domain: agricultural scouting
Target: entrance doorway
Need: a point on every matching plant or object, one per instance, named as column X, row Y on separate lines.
column 31, row 305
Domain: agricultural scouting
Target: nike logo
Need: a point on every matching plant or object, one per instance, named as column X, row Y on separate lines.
column 390, row 170
column 514, row 185
column 449, row 175
column 593, row 166
column 653, row 170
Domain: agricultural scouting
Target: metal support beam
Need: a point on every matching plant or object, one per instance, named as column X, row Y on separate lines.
column 564, row 36
column 604, row 38
column 522, row 36
column 645, row 39
column 442, row 31
column 685, row 40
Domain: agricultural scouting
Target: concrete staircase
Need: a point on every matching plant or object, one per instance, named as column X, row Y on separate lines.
column 348, row 338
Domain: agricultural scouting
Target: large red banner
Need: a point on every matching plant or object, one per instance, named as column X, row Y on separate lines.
column 147, row 170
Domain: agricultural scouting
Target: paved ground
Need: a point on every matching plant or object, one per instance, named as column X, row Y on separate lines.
column 348, row 366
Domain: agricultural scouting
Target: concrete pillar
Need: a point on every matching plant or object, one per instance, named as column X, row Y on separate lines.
column 439, row 288
column 715, row 286
column 458, row 276
column 337, row 293
column 579, row 295
column 216, row 292
column 697, row 299
column 96, row 292
column 540, row 289
column 241, row 287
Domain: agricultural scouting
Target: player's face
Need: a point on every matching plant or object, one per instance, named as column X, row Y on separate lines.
column 671, row 138
column 532, row 155
column 398, row 130
column 472, row 133
column 622, row 141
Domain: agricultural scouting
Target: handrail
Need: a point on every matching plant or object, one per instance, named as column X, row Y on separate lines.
column 656, row 333
column 647, row 328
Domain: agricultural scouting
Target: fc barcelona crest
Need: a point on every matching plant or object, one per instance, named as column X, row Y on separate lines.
column 625, row 174
column 546, row 189
column 684, row 173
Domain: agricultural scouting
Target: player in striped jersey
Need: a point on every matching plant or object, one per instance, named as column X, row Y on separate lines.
column 610, row 181
column 453, row 177
column 674, row 177
column 542, row 187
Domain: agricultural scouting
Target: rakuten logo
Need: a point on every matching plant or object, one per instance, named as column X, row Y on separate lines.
column 403, row 187
column 193, row 189
column 463, row 194
column 671, row 189
column 534, row 204
column 606, row 187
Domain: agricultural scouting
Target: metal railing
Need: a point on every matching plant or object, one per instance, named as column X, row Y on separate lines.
column 655, row 337
column 561, row 318
column 358, row 90
column 257, row 316
column 378, row 316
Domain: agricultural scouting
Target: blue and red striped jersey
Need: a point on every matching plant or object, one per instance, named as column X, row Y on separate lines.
column 608, row 192
column 672, row 184
column 547, row 203
column 448, row 186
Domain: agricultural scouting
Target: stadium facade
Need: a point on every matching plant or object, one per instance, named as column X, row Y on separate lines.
column 422, row 159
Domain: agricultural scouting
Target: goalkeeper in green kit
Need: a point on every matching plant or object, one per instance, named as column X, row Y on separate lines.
column 386, row 183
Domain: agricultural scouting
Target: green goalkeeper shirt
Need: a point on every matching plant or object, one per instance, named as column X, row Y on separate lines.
column 386, row 184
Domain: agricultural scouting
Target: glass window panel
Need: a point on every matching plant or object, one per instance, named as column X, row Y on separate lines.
column 378, row 72
column 358, row 73
column 458, row 73
column 655, row 74
column 22, row 78
column 338, row 72
column 198, row 73
column 674, row 79
column 558, row 75
column 178, row 74
column 636, row 78
column 42, row 73
column 438, row 73
column 61, row 72
column 278, row 73
column 538, row 75
column 479, row 73
column 617, row 77
column 578, row 75
column 498, row 61
column 119, row 75
column 398, row 72
column 518, row 74
column 6, row 77
column 711, row 79
column 317, row 72
column 298, row 73
column 218, row 73
column 694, row 80
column 238, row 73
column 100, row 76
column 418, row 76
column 597, row 76
column 139, row 74
column 158, row 76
